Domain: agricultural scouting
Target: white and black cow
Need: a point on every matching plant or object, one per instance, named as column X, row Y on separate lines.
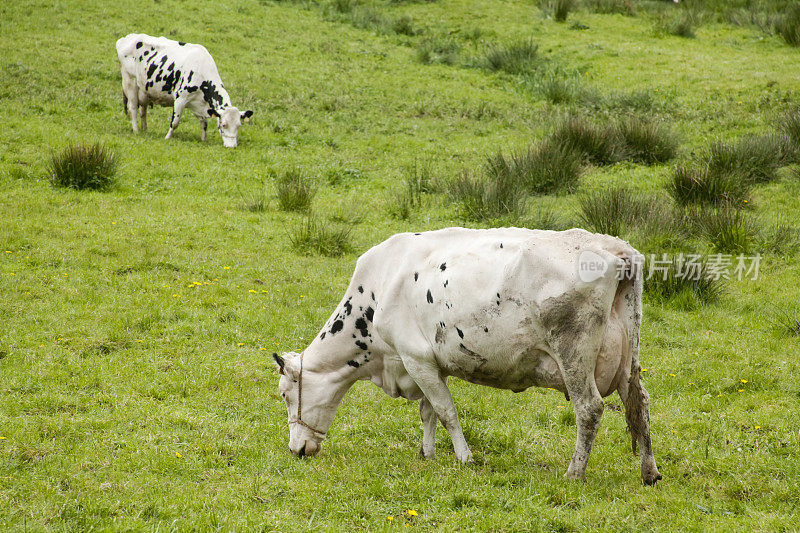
column 156, row 70
column 508, row 308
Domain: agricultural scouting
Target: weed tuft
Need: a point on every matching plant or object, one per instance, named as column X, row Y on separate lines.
column 781, row 238
column 697, row 183
column 489, row 196
column 561, row 9
column 82, row 166
column 647, row 141
column 521, row 57
column 729, row 230
column 311, row 236
column 681, row 25
column 597, row 144
column 687, row 281
column 788, row 27
column 621, row 7
column 612, row 211
column 786, row 322
column 442, row 49
column 295, row 191
column 757, row 157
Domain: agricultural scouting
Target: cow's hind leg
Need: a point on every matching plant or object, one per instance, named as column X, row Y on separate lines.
column 143, row 115
column 588, row 406
column 433, row 386
column 428, row 415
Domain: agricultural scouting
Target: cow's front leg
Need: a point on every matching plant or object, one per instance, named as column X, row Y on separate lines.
column 177, row 111
column 434, row 387
column 428, row 415
column 203, row 128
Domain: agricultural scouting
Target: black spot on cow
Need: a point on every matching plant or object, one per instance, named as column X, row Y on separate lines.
column 416, row 276
column 361, row 325
column 212, row 113
column 353, row 363
column 362, row 345
column 211, row 95
column 348, row 307
column 486, row 329
column 322, row 336
column 191, row 89
column 145, row 53
column 171, row 66
column 181, row 43
column 372, row 295
column 446, row 282
column 430, row 297
column 460, row 333
column 443, row 267
column 361, row 289
column 191, row 73
column 501, row 245
column 138, row 44
column 418, row 234
column 337, row 327
column 369, row 313
column 442, row 324
column 151, row 70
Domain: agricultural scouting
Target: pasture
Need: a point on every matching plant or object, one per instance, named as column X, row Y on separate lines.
column 137, row 388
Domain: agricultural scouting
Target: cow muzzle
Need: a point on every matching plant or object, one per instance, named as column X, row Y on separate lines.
column 306, row 448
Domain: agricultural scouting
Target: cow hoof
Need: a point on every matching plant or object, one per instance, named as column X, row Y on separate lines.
column 651, row 479
column 466, row 459
column 429, row 455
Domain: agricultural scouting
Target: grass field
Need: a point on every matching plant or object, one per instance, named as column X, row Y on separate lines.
column 137, row 390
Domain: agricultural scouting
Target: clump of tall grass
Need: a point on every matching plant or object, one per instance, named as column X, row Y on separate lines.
column 256, row 202
column 416, row 183
column 311, row 235
column 613, row 211
column 295, row 191
column 680, row 25
column 442, row 49
column 545, row 219
column 638, row 100
column 598, row 144
column 82, row 166
column 559, row 8
column 757, row 157
column 566, row 90
column 622, row 7
column 647, row 141
column 789, row 126
column 781, row 238
column 544, row 168
column 786, row 322
column 687, row 284
column 697, row 183
column 489, row 197
column 788, row 27
column 729, row 230
column 520, row 57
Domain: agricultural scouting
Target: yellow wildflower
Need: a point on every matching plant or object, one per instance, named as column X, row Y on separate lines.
column 178, row 455
column 758, row 427
column 176, row 295
column 673, row 375
column 390, row 518
column 741, row 390
column 743, row 381
column 239, row 344
column 411, row 512
column 227, row 268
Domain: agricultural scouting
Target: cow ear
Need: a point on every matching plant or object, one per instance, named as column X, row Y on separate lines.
column 246, row 116
column 280, row 362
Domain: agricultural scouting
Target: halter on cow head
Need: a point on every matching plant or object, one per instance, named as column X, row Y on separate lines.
column 311, row 401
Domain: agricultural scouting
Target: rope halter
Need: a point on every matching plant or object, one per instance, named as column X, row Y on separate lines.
column 299, row 420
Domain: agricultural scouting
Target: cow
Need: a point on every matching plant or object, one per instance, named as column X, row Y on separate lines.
column 508, row 308
column 156, row 70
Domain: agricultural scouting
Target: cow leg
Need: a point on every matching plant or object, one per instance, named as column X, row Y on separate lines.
column 130, row 98
column 203, row 128
column 637, row 415
column 177, row 111
column 588, row 406
column 143, row 115
column 428, row 415
column 434, row 387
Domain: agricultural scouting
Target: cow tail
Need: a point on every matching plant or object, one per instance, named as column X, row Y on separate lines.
column 637, row 400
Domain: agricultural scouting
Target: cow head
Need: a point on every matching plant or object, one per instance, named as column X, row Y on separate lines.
column 230, row 119
column 321, row 394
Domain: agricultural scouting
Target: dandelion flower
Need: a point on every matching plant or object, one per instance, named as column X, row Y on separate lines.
column 673, row 375
column 743, row 381
column 227, row 268
column 644, row 370
column 758, row 427
column 239, row 344
column 559, row 406
column 178, row 455
column 176, row 295
column 390, row 518
column 2, row 438
column 251, row 290
column 8, row 251
column 741, row 390
column 411, row 512
column 674, row 432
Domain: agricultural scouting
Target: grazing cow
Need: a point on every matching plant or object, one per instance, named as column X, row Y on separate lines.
column 156, row 70
column 508, row 308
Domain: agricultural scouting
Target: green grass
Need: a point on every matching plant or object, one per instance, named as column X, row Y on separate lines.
column 81, row 167
column 137, row 389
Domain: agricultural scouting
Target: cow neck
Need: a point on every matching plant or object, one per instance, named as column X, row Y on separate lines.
column 299, row 418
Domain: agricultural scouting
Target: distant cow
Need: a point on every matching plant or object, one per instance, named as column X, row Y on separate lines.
column 508, row 308
column 156, row 70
